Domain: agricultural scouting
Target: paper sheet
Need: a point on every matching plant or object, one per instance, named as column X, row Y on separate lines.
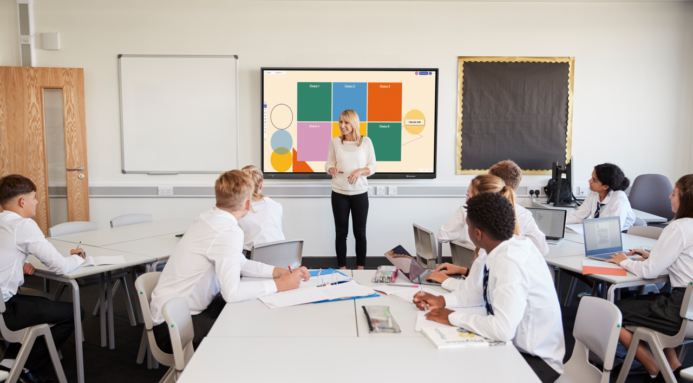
column 602, row 268
column 346, row 290
column 103, row 260
column 389, row 290
column 310, row 294
column 408, row 295
column 422, row 322
column 576, row 228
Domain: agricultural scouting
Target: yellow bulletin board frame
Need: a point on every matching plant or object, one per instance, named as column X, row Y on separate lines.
column 460, row 103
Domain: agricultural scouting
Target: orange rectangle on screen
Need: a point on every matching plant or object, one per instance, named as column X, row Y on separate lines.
column 586, row 270
column 384, row 101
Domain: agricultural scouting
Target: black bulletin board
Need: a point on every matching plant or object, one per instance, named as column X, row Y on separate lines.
column 517, row 108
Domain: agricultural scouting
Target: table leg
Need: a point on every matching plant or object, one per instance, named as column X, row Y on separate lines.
column 102, row 309
column 78, row 330
column 109, row 295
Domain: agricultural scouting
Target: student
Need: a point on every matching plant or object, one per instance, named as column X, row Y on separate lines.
column 263, row 223
column 207, row 265
column 517, row 290
column 673, row 252
column 19, row 237
column 607, row 198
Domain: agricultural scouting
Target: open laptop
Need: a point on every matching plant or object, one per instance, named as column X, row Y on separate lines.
column 551, row 222
column 602, row 237
column 409, row 266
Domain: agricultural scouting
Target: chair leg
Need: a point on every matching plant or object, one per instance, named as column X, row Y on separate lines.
column 132, row 275
column 116, row 285
column 128, row 303
column 169, row 376
column 144, row 344
column 27, row 343
column 571, row 291
column 54, row 355
column 625, row 369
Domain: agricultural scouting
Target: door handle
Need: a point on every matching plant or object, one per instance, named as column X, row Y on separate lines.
column 80, row 169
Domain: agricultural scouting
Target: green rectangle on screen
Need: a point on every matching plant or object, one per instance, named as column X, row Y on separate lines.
column 387, row 140
column 314, row 101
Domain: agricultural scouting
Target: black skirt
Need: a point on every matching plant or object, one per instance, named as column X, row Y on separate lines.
column 660, row 312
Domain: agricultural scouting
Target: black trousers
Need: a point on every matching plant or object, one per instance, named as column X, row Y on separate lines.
column 358, row 206
column 202, row 323
column 24, row 311
column 544, row 372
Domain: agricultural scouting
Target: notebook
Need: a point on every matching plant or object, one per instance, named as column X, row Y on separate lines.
column 103, row 260
column 454, row 337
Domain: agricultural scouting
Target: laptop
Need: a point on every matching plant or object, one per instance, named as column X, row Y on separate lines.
column 602, row 237
column 551, row 222
column 409, row 266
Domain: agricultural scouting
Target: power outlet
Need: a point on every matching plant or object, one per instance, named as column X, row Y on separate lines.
column 165, row 190
column 381, row 190
column 392, row 190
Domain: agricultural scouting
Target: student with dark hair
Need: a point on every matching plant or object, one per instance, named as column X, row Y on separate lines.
column 606, row 198
column 517, row 290
column 673, row 252
column 19, row 237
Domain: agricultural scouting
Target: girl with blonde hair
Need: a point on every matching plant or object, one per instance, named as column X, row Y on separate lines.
column 263, row 223
column 350, row 160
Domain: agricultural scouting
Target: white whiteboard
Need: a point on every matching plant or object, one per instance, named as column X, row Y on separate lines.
column 178, row 114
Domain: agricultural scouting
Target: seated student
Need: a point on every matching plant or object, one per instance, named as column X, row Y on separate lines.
column 207, row 265
column 511, row 174
column 517, row 290
column 607, row 198
column 264, row 220
column 19, row 237
column 673, row 252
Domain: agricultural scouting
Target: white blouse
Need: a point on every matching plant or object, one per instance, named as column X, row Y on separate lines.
column 349, row 157
column 264, row 224
column 616, row 204
column 673, row 252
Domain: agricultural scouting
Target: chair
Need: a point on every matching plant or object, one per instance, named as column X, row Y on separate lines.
column 658, row 341
column 462, row 255
column 279, row 253
column 71, row 228
column 130, row 219
column 145, row 284
column 646, row 231
column 180, row 328
column 27, row 337
column 650, row 193
column 427, row 253
column 687, row 373
column 597, row 326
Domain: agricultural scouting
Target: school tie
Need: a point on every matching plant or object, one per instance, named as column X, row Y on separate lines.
column 599, row 207
column 489, row 308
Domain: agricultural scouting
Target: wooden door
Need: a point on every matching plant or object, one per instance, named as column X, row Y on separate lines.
column 23, row 138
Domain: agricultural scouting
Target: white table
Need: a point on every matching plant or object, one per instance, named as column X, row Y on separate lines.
column 566, row 248
column 113, row 235
column 83, row 271
column 647, row 217
column 254, row 319
column 160, row 247
column 348, row 360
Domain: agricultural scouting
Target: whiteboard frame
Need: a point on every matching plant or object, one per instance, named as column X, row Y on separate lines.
column 122, row 131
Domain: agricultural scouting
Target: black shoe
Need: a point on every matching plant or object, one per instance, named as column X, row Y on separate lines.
column 657, row 379
column 28, row 377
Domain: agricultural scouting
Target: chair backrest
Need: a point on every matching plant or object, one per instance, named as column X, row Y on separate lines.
column 425, row 247
column 462, row 255
column 597, row 326
column 646, row 231
column 145, row 284
column 7, row 334
column 180, row 327
column 650, row 193
column 131, row 219
column 279, row 253
column 71, row 228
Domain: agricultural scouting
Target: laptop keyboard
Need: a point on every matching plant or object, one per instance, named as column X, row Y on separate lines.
column 605, row 257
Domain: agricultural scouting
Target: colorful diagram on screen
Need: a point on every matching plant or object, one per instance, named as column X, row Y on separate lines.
column 301, row 116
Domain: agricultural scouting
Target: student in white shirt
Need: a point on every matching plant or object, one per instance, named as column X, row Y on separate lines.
column 263, row 223
column 517, row 290
column 207, row 265
column 350, row 159
column 19, row 237
column 606, row 198
column 673, row 253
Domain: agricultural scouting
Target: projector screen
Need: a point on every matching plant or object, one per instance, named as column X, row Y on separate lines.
column 397, row 110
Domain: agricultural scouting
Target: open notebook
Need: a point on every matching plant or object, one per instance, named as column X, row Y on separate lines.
column 309, row 293
column 103, row 260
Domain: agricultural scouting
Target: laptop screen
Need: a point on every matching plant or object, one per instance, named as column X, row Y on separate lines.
column 602, row 235
column 550, row 221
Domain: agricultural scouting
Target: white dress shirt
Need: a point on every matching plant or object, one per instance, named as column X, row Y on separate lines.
column 456, row 229
column 616, row 204
column 19, row 238
column 673, row 252
column 524, row 301
column 207, row 260
column 264, row 224
column 348, row 157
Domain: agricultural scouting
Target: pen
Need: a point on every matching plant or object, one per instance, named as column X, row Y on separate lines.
column 402, row 284
column 290, row 271
column 83, row 252
column 422, row 293
column 368, row 317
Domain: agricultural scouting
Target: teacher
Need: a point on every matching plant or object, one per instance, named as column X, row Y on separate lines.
column 350, row 159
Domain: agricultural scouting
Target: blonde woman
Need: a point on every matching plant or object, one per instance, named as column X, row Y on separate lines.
column 264, row 220
column 350, row 160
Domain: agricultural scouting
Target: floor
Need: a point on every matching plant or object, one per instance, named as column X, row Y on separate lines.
column 104, row 365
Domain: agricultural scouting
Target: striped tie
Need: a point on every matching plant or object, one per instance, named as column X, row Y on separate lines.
column 489, row 308
column 599, row 207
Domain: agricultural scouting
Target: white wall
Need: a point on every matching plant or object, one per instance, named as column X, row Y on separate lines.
column 633, row 80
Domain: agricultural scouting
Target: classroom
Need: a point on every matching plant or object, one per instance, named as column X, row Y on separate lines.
column 197, row 190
